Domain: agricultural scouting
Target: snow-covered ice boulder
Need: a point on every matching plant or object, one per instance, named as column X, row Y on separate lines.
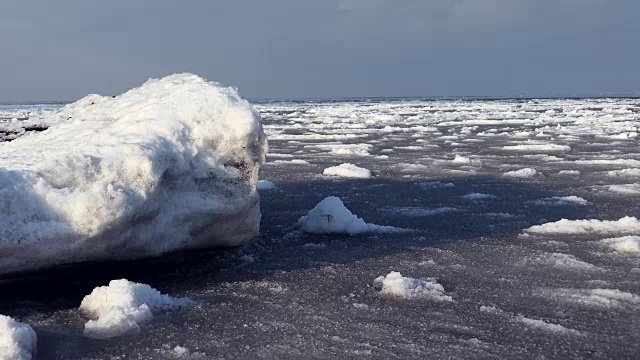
column 348, row 170
column 169, row 165
column 394, row 284
column 330, row 216
column 17, row 340
column 119, row 308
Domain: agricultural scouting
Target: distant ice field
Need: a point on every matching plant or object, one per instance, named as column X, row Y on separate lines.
column 519, row 239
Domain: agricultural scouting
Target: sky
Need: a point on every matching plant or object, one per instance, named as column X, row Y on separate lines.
column 285, row 49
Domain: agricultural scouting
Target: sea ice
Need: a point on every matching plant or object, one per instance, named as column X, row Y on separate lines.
column 119, row 308
column 169, row 165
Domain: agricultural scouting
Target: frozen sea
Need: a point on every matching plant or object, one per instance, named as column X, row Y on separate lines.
column 468, row 181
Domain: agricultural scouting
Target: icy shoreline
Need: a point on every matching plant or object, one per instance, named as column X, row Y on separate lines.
column 170, row 165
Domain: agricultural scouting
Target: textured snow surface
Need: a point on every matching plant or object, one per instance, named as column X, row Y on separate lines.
column 330, row 216
column 348, row 170
column 17, row 340
column 626, row 225
column 169, row 165
column 119, row 308
column 394, row 284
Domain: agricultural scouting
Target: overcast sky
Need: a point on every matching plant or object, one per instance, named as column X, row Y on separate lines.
column 64, row 49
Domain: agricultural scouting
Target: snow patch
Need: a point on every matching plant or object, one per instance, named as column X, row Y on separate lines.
column 545, row 326
column 119, row 308
column 394, row 284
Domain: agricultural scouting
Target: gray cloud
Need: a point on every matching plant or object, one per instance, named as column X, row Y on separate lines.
column 303, row 48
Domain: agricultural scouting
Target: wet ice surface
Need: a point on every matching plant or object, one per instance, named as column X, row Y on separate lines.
column 293, row 295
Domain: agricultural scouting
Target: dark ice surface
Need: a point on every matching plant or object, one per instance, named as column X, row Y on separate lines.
column 291, row 295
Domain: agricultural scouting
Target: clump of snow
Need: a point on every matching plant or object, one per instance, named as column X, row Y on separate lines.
column 522, row 173
column 461, row 160
column 478, row 196
column 348, row 170
column 560, row 201
column 626, row 225
column 17, row 340
column 169, row 165
column 625, row 244
column 330, row 216
column 394, row 284
column 265, row 185
column 119, row 308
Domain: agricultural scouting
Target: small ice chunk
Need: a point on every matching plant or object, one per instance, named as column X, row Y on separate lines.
column 522, row 173
column 569, row 172
column 265, row 185
column 17, row 340
column 625, row 244
column 478, row 196
column 543, row 325
column 461, row 160
column 538, row 148
column 394, row 284
column 348, row 170
column 330, row 216
column 626, row 225
column 560, row 201
column 119, row 308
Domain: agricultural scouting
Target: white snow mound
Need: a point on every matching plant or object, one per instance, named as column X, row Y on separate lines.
column 394, row 284
column 17, row 340
column 626, row 225
column 265, row 185
column 330, row 216
column 119, row 308
column 169, row 165
column 348, row 170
